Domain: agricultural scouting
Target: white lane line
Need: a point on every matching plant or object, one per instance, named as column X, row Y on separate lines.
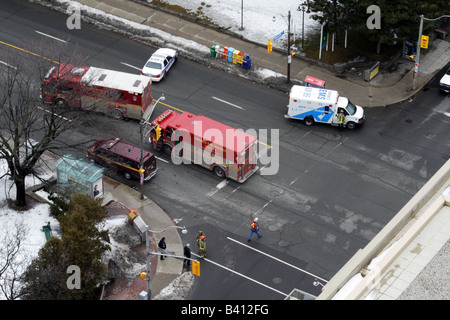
column 49, row 36
column 161, row 159
column 217, row 188
column 229, row 103
column 279, row 260
column 129, row 65
column 240, row 274
column 48, row 111
column 8, row 65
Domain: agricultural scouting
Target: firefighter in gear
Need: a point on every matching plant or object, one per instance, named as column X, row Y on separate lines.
column 201, row 241
column 341, row 118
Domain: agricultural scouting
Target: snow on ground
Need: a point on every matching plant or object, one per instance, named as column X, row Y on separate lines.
column 256, row 17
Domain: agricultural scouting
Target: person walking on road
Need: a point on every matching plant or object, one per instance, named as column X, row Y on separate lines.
column 201, row 241
column 162, row 246
column 254, row 228
column 187, row 254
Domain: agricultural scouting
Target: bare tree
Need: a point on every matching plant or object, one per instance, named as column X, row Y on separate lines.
column 28, row 127
column 12, row 259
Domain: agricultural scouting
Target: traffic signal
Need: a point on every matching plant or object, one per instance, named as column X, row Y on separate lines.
column 158, row 132
column 269, row 46
column 196, row 268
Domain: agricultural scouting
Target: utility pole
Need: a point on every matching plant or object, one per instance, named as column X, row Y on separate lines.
column 289, row 57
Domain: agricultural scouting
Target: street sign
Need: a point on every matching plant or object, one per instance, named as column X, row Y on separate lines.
column 278, row 36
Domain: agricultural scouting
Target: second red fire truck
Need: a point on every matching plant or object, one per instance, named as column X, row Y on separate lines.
column 190, row 138
column 120, row 94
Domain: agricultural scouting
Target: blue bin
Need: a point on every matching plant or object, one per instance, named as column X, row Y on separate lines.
column 247, row 62
column 230, row 54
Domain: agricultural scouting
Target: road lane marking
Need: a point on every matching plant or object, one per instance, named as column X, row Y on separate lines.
column 49, row 36
column 229, row 103
column 275, row 258
column 29, row 52
column 221, row 185
column 242, row 275
column 131, row 66
column 8, row 65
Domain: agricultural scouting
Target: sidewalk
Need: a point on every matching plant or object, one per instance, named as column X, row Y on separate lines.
column 163, row 271
column 383, row 90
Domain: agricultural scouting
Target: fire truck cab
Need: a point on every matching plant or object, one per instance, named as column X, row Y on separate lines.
column 226, row 151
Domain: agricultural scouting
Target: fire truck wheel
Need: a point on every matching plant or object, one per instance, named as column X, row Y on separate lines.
column 117, row 114
column 167, row 149
column 60, row 102
column 309, row 121
column 218, row 171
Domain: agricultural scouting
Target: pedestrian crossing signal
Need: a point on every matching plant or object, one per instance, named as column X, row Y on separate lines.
column 269, row 46
column 196, row 268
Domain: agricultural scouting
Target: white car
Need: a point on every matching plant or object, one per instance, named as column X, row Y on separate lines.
column 444, row 83
column 159, row 63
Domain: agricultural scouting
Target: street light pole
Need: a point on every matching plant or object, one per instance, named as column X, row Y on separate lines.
column 142, row 123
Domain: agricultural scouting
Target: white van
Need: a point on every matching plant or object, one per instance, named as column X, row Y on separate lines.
column 322, row 105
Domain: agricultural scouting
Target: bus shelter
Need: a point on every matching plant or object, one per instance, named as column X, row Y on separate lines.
column 79, row 176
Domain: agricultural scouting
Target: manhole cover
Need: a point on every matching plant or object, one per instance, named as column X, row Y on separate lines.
column 277, row 280
column 273, row 227
column 283, row 243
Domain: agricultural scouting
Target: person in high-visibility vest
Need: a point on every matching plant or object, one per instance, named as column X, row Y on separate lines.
column 254, row 228
column 341, row 118
column 201, row 241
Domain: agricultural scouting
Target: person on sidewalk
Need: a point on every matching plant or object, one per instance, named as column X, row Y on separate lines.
column 341, row 118
column 254, row 228
column 201, row 242
column 187, row 254
column 162, row 246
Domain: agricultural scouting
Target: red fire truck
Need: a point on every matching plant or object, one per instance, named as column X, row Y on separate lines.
column 226, row 151
column 115, row 93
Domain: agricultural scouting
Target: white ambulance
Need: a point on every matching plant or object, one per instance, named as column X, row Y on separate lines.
column 322, row 105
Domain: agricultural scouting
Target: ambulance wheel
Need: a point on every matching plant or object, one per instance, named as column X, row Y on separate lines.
column 167, row 149
column 309, row 121
column 350, row 125
column 218, row 171
column 117, row 114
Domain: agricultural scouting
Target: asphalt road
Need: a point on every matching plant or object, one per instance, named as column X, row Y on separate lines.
column 333, row 191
